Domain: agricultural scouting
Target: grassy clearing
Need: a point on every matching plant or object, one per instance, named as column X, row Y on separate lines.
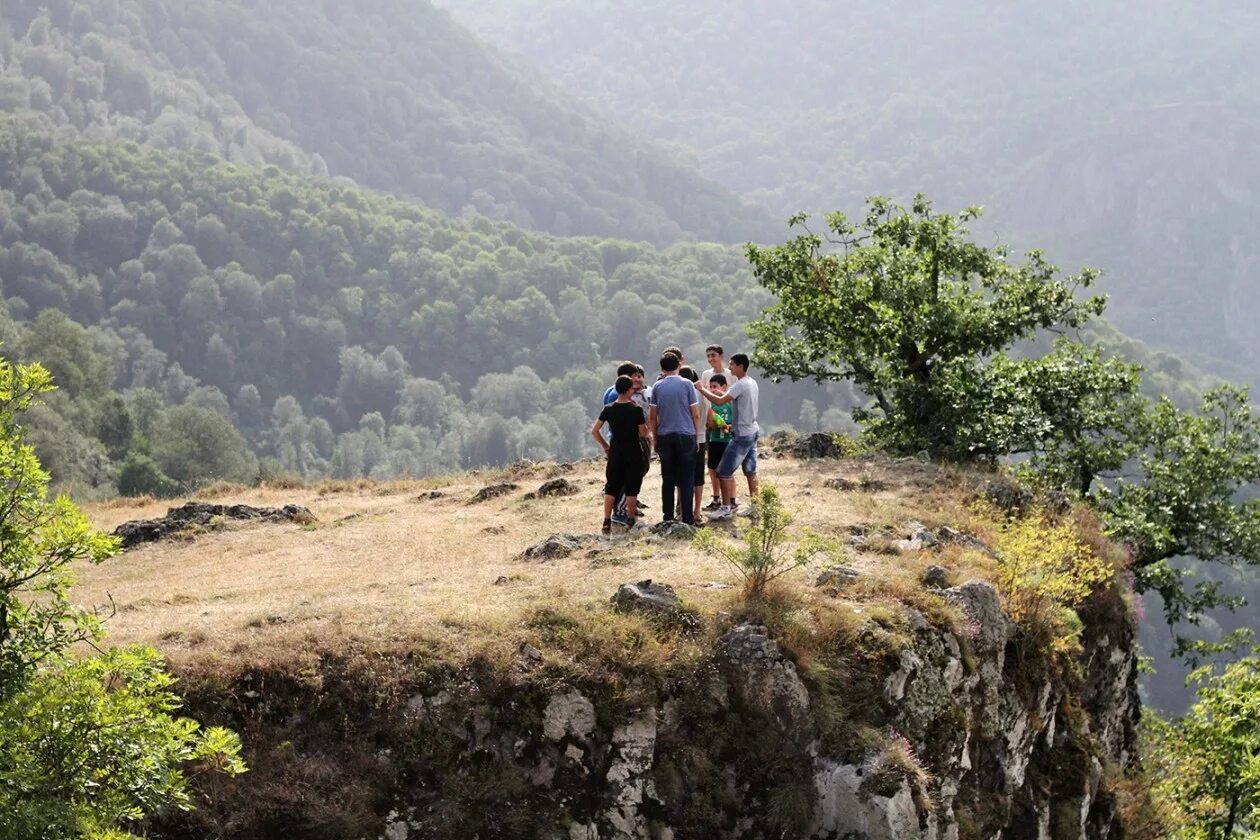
column 389, row 566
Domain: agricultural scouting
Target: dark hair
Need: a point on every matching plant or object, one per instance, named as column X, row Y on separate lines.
column 740, row 359
column 639, row 370
column 717, row 379
column 687, row 373
column 626, row 368
column 715, row 348
column 669, row 362
column 674, row 351
column 624, row 384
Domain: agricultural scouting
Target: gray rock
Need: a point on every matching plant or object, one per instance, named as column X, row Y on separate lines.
column 569, row 714
column 493, row 491
column 983, row 606
column 646, row 596
column 765, row 681
column 557, row 545
column 935, row 577
column 817, row 445
column 191, row 514
column 674, row 529
column 837, row 577
column 1008, row 496
column 553, row 488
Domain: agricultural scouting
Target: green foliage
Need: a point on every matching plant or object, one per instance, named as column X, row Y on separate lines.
column 1187, row 502
column 1210, row 759
column 1044, row 571
column 39, row 541
column 85, row 745
column 921, row 319
column 90, row 745
column 764, row 555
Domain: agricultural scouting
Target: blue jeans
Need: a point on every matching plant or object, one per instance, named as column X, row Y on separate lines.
column 678, row 464
column 741, row 451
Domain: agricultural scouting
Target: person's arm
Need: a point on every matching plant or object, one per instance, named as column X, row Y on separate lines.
column 716, row 399
column 597, row 433
column 695, row 418
column 653, row 419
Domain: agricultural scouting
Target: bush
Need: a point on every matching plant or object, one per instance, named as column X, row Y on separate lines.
column 763, row 555
column 1044, row 570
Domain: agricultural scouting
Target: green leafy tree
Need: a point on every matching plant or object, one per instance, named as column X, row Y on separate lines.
column 1187, row 502
column 86, row 745
column 917, row 316
column 1210, row 759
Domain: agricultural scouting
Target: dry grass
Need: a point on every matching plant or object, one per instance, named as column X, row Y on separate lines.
column 387, row 567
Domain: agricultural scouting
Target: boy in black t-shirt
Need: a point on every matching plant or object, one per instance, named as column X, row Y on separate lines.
column 624, row 472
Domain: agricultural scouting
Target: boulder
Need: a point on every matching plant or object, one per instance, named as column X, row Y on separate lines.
column 817, row 445
column 935, row 577
column 674, row 529
column 837, row 578
column 554, row 487
column 178, row 519
column 766, row 682
column 646, row 596
column 557, row 545
column 492, row 491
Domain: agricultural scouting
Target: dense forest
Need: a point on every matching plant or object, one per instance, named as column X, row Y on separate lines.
column 1114, row 134
column 390, row 93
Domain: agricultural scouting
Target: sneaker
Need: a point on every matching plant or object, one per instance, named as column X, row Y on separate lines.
column 721, row 513
column 619, row 519
column 751, row 510
column 713, row 505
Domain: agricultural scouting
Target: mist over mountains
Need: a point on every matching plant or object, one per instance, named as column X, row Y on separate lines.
column 1117, row 134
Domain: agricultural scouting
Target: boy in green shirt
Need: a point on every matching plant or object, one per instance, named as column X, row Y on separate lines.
column 719, row 425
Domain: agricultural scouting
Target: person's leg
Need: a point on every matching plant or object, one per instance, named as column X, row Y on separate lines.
column 698, row 489
column 687, row 476
column 634, row 483
column 668, row 451
column 734, row 455
column 608, row 509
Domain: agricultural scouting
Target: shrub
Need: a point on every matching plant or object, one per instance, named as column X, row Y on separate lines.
column 1044, row 570
column 764, row 555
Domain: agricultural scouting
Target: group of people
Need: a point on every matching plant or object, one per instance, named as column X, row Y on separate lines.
column 690, row 420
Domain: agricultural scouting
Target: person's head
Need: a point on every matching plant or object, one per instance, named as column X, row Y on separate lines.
column 624, row 385
column 637, row 377
column 669, row 363
column 739, row 364
column 677, row 351
column 626, row 369
column 714, row 354
column 717, row 383
column 687, row 373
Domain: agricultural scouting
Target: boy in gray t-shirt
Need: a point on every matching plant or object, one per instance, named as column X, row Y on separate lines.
column 743, row 394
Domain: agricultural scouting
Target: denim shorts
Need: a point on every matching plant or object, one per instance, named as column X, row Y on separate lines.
column 741, row 450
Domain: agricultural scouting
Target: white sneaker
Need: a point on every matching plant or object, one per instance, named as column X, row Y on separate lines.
column 751, row 510
column 723, row 512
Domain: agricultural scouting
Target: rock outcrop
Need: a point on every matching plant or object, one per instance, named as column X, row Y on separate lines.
column 966, row 735
column 203, row 514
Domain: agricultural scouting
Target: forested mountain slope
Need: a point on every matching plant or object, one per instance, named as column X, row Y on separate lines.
column 391, row 93
column 1114, row 134
column 341, row 331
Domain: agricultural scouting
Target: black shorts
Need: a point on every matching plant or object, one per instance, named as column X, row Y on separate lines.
column 624, row 473
column 716, row 448
column 700, row 465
